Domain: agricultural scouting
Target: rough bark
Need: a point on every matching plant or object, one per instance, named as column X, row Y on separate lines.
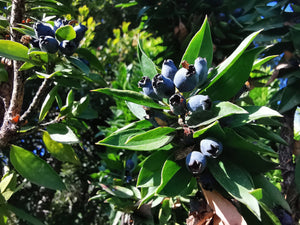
column 288, row 166
column 13, row 100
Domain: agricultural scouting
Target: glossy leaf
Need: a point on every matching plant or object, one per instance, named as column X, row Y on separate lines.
column 47, row 104
column 200, row 45
column 271, row 196
column 257, row 64
column 26, row 66
column 136, row 109
column 147, row 66
column 62, row 152
column 225, row 65
column 90, row 57
column 150, row 173
column 60, row 132
column 79, row 64
column 165, row 212
column 38, row 58
column 130, row 139
column 131, row 96
column 118, row 191
column 8, row 186
column 255, row 113
column 174, row 179
column 13, row 50
column 267, row 134
column 233, row 80
column 215, row 127
column 237, row 182
column 235, row 141
column 35, row 169
column 66, row 32
column 217, row 111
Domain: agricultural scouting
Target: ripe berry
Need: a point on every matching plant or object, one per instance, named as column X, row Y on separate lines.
column 35, row 42
column 129, row 165
column 195, row 162
column 48, row 44
column 163, row 87
column 186, row 79
column 201, row 70
column 67, row 47
column 168, row 69
column 146, row 84
column 43, row 29
column 198, row 103
column 80, row 31
column 177, row 104
column 211, row 147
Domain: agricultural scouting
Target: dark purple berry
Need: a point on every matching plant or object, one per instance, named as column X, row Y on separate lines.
column 198, row 103
column 186, row 79
column 67, row 47
column 211, row 147
column 195, row 162
column 177, row 104
column 148, row 90
column 48, row 44
column 168, row 69
column 129, row 165
column 43, row 29
column 201, row 70
column 80, row 31
column 163, row 87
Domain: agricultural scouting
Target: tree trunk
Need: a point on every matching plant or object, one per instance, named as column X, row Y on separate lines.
column 288, row 166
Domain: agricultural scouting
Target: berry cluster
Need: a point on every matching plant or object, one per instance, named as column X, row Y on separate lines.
column 196, row 160
column 173, row 83
column 46, row 41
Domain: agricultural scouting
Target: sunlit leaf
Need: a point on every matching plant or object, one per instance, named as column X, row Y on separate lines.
column 35, row 169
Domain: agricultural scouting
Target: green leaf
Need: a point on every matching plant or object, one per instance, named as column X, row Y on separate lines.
column 121, row 139
column 65, row 33
column 217, row 111
column 200, row 45
column 60, row 151
column 255, row 113
column 24, row 216
column 150, row 173
column 165, row 212
column 257, row 64
column 271, row 196
column 90, row 57
column 234, row 78
column 131, row 96
column 47, row 104
column 225, row 65
column 118, row 191
column 147, row 66
column 214, row 127
column 290, row 97
column 151, row 136
column 35, row 169
column 137, row 110
column 3, row 73
column 13, row 50
column 235, row 141
column 237, row 182
column 26, row 66
column 79, row 64
column 38, row 58
column 267, row 134
column 62, row 133
column 8, row 186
